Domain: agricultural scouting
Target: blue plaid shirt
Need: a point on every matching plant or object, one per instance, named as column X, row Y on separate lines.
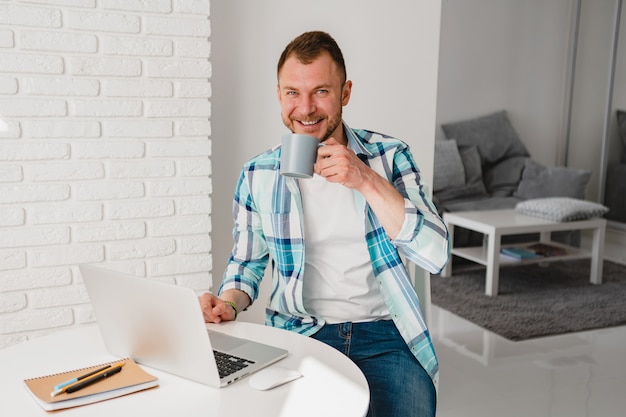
column 268, row 216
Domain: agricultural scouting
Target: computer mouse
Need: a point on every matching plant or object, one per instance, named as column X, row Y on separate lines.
column 272, row 377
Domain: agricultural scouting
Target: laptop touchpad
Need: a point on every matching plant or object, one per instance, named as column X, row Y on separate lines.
column 223, row 342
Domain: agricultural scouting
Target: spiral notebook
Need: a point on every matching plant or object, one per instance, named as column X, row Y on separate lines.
column 131, row 379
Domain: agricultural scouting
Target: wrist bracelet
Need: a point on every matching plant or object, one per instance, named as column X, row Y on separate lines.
column 230, row 303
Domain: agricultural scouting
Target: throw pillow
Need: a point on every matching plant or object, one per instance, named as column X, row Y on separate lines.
column 472, row 167
column 621, row 124
column 539, row 181
column 561, row 209
column 473, row 187
column 448, row 169
column 502, row 178
column 493, row 134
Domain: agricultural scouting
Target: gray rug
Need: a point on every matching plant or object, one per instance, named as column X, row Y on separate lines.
column 537, row 300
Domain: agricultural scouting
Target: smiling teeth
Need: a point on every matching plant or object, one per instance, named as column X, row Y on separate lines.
column 309, row 123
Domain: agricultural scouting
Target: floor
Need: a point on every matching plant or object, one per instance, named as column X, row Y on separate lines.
column 483, row 374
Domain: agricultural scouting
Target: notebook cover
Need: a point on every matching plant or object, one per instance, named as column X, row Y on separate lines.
column 131, row 379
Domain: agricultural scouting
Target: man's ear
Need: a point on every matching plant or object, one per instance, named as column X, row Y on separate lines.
column 345, row 92
column 278, row 92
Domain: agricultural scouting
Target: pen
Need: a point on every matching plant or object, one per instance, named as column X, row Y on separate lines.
column 91, row 380
column 71, row 381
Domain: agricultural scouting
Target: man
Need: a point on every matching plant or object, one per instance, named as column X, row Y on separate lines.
column 335, row 240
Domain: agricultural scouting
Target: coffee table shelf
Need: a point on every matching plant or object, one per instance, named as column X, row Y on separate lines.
column 479, row 254
column 494, row 224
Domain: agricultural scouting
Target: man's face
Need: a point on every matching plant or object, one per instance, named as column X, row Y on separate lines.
column 311, row 97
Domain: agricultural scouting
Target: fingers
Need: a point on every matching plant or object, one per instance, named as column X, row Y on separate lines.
column 340, row 165
column 207, row 302
column 330, row 148
column 333, row 155
column 215, row 310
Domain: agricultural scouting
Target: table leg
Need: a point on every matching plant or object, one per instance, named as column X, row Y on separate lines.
column 447, row 270
column 597, row 249
column 493, row 264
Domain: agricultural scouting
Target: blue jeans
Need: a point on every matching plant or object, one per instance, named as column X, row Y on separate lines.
column 399, row 386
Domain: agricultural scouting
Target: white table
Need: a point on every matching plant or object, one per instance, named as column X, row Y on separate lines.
column 331, row 385
column 497, row 223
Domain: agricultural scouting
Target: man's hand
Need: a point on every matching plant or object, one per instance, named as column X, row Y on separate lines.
column 337, row 163
column 214, row 309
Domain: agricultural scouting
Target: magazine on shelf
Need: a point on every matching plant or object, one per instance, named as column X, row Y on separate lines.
column 547, row 250
column 519, row 253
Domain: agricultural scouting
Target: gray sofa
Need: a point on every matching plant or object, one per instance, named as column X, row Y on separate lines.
column 483, row 165
column 615, row 186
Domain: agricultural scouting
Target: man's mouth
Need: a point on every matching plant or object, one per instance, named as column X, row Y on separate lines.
column 308, row 123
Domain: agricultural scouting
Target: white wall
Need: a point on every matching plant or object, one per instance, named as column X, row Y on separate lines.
column 511, row 55
column 104, row 151
column 391, row 52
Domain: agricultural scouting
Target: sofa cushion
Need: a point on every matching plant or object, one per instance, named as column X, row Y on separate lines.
column 539, row 181
column 503, row 178
column 473, row 186
column 561, row 209
column 621, row 124
column 471, row 163
column 493, row 134
column 473, row 170
column 448, row 166
column 489, row 203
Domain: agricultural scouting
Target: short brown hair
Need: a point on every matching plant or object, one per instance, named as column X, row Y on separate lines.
column 311, row 45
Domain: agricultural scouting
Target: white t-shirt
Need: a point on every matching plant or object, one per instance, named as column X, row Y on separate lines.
column 339, row 283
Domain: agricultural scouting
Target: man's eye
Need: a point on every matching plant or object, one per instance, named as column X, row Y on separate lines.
column 291, row 93
column 322, row 91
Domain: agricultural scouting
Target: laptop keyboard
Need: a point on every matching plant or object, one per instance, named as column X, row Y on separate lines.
column 229, row 364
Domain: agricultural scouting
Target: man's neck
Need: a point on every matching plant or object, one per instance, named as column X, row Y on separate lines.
column 343, row 139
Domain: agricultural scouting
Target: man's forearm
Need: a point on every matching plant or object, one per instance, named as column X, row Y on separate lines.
column 386, row 202
column 238, row 297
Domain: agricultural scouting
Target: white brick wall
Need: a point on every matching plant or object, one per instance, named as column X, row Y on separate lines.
column 104, row 151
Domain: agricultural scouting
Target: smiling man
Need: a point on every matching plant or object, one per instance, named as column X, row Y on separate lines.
column 336, row 240
column 312, row 91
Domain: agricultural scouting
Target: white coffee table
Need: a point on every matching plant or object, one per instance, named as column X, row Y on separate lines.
column 497, row 223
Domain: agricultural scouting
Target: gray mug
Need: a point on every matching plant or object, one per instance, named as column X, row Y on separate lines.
column 298, row 155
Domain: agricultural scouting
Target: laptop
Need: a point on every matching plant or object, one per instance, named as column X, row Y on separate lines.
column 161, row 326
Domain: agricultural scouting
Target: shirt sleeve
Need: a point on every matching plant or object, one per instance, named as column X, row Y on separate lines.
column 249, row 257
column 423, row 238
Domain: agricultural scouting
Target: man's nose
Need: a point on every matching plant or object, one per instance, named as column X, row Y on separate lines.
column 307, row 105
